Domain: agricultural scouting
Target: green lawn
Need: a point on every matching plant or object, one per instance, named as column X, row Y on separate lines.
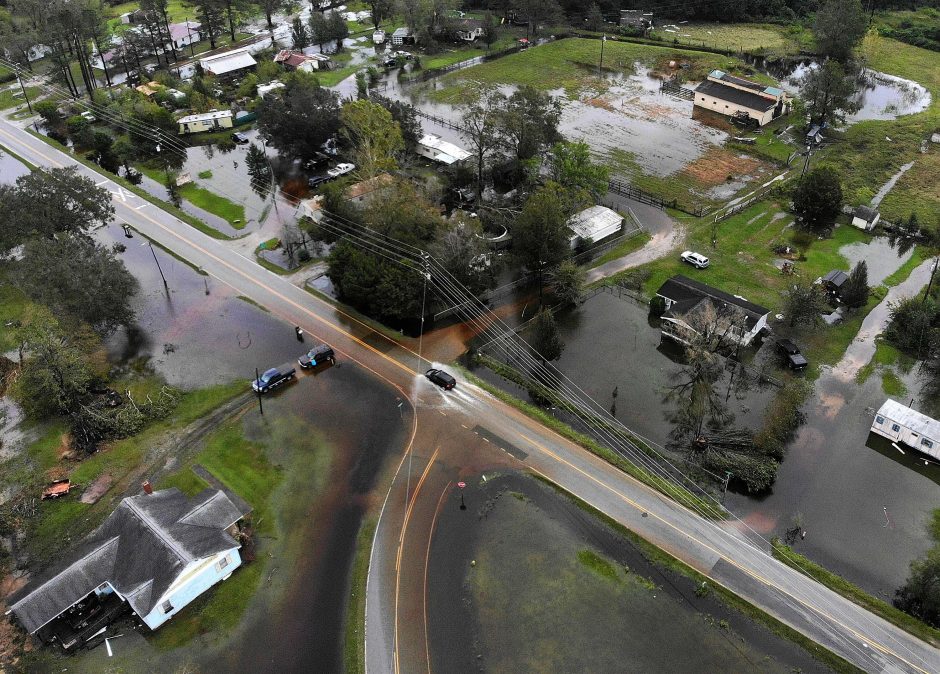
column 624, row 248
column 10, row 98
column 747, row 37
column 13, row 303
column 572, row 64
column 866, row 158
column 229, row 211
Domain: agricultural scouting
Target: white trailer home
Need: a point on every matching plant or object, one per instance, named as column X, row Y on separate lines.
column 900, row 423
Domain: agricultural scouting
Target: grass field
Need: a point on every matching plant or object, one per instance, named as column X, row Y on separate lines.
column 10, row 98
column 742, row 37
column 229, row 211
column 625, row 248
column 866, row 158
column 13, row 304
column 572, row 63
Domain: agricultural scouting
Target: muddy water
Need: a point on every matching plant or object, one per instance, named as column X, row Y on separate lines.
column 881, row 257
column 507, row 592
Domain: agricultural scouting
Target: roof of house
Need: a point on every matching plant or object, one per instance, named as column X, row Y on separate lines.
column 687, row 293
column 181, row 30
column 140, row 549
column 912, row 419
column 736, row 96
column 747, row 84
column 448, row 153
column 149, row 89
column 467, row 24
column 227, row 62
column 836, row 278
column 866, row 213
column 295, row 59
column 404, row 31
column 368, row 186
column 214, row 114
column 595, row 222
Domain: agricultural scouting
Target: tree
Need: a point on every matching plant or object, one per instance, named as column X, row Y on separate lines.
column 299, row 36
column 540, row 235
column 827, row 91
column 538, row 13
column 911, row 326
column 270, row 7
column 570, row 165
column 546, row 340
column 338, row 29
column 920, row 595
column 299, row 121
column 566, row 282
column 481, row 128
column 840, row 25
column 407, row 117
column 460, row 250
column 78, row 277
column 528, row 122
column 319, row 29
column 803, row 303
column 51, row 202
column 855, row 291
column 381, row 10
column 259, row 170
column 595, row 18
column 490, row 30
column 211, row 16
column 55, row 375
column 373, row 135
column 818, row 197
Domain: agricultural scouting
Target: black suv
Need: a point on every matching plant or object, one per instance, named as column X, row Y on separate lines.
column 322, row 353
column 441, row 378
column 791, row 351
column 273, row 378
column 240, row 138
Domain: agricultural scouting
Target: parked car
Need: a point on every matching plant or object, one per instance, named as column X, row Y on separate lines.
column 340, row 170
column 441, row 378
column 317, row 180
column 273, row 378
column 695, row 259
column 318, row 159
column 795, row 360
column 240, row 137
column 321, row 353
column 88, row 116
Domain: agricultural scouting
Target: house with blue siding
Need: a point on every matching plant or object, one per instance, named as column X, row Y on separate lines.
column 153, row 555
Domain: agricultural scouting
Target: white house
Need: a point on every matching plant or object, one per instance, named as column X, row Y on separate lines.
column 593, row 224
column 729, row 95
column 686, row 300
column 900, row 423
column 184, row 34
column 156, row 552
column 228, row 63
column 468, row 30
column 865, row 218
column 207, row 121
column 436, row 148
column 265, row 89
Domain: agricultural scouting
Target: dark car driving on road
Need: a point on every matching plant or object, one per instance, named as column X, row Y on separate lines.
column 441, row 378
column 322, row 353
column 273, row 378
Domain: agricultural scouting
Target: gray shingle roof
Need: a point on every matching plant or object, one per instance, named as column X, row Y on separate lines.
column 866, row 213
column 140, row 549
column 736, row 96
column 687, row 294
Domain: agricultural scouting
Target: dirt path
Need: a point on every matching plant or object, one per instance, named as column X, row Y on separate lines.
column 659, row 246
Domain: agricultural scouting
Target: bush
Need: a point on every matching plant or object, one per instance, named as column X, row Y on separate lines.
column 782, row 419
column 657, row 306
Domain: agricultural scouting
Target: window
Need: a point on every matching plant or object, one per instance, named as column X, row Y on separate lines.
column 879, row 420
column 167, row 607
column 926, row 443
column 222, row 563
column 895, row 428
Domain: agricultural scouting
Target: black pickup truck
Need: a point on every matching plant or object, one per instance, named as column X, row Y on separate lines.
column 273, row 378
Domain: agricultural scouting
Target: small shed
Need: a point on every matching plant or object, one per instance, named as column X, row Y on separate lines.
column 593, row 224
column 900, row 423
column 436, row 148
column 865, row 217
column 834, row 280
column 402, row 36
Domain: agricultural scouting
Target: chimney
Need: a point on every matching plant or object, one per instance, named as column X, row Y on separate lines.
column 148, row 488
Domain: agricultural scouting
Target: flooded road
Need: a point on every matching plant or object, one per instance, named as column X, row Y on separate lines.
column 10, row 168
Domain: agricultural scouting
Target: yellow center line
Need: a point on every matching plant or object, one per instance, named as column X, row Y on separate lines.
column 754, row 574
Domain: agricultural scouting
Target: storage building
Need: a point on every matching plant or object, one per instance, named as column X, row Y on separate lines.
column 735, row 96
column 900, row 423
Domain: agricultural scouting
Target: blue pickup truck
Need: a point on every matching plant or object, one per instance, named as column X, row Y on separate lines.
column 273, row 378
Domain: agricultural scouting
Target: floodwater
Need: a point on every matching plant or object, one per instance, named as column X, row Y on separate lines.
column 10, row 168
column 508, row 591
column 880, row 95
column 881, row 257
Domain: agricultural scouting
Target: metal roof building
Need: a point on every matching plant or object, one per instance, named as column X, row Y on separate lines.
column 228, row 62
column 594, row 223
column 900, row 423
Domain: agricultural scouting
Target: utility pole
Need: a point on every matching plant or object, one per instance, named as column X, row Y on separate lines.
column 159, row 268
column 20, row 80
column 600, row 66
column 809, row 152
column 257, row 382
column 427, row 277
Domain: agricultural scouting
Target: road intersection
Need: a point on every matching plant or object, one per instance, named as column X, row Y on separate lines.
column 458, row 434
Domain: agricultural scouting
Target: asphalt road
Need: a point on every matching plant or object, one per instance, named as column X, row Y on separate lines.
column 469, row 425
